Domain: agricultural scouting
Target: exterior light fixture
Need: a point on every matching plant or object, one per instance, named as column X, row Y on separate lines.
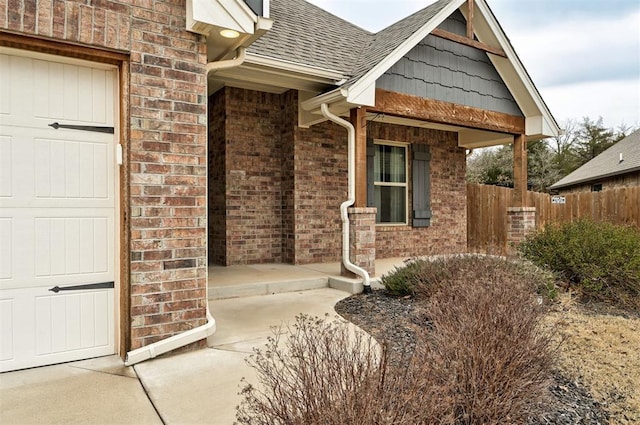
column 229, row 33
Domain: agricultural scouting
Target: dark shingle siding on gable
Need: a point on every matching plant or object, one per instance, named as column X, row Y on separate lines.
column 444, row 70
column 256, row 5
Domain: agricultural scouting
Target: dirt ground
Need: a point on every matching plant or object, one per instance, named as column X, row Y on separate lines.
column 601, row 349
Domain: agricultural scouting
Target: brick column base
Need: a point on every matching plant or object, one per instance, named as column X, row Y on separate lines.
column 362, row 240
column 520, row 222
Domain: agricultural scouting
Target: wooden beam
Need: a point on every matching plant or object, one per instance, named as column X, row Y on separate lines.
column 468, row 42
column 416, row 107
column 470, row 7
column 359, row 122
column 62, row 48
column 520, row 171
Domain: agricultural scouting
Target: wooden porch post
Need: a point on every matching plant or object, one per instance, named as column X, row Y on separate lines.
column 359, row 121
column 520, row 171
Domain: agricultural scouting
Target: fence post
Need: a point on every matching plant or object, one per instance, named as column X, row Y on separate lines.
column 520, row 222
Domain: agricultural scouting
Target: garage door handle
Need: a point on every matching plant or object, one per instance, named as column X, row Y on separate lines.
column 103, row 285
column 93, row 128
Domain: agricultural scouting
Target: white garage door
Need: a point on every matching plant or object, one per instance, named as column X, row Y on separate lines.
column 57, row 211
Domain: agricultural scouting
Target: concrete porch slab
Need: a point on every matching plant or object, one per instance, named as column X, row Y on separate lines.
column 268, row 279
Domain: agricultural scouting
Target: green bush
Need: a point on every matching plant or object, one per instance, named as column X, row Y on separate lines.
column 424, row 277
column 601, row 259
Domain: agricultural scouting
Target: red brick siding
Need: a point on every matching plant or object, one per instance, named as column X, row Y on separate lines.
column 320, row 188
column 253, row 158
column 448, row 230
column 217, row 179
column 291, row 213
column 289, row 129
column 167, row 146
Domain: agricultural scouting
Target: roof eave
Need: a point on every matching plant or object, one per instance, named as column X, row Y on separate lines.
column 592, row 178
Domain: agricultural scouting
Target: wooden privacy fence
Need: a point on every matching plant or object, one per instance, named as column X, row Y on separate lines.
column 487, row 212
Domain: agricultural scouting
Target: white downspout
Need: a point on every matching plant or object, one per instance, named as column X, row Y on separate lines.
column 351, row 194
column 180, row 340
column 201, row 332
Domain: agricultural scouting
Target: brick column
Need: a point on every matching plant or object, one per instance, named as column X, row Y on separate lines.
column 520, row 222
column 362, row 238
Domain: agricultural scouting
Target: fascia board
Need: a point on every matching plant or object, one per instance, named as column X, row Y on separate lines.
column 334, row 96
column 369, row 79
column 518, row 68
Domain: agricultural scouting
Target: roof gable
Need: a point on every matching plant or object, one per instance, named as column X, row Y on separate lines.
column 442, row 69
column 621, row 158
column 307, row 35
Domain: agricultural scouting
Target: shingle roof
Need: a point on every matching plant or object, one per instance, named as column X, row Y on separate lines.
column 305, row 34
column 607, row 163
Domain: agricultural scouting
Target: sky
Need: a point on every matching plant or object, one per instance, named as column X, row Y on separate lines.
column 582, row 55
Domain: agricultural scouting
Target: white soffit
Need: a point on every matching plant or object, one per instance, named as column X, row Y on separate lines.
column 203, row 16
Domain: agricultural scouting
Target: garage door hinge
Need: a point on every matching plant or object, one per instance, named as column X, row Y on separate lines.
column 96, row 129
column 102, row 285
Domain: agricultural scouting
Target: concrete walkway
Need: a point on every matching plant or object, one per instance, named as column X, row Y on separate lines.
column 95, row 391
column 199, row 387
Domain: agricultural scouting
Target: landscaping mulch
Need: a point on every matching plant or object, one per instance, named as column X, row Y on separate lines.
column 391, row 320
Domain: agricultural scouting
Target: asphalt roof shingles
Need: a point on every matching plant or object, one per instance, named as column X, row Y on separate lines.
column 305, row 34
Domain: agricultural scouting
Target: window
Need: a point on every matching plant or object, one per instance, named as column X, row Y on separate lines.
column 596, row 187
column 390, row 182
column 388, row 178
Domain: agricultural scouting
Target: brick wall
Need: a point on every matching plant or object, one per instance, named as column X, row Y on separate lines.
column 289, row 127
column 217, row 179
column 448, row 230
column 284, row 186
column 252, row 204
column 320, row 188
column 167, row 146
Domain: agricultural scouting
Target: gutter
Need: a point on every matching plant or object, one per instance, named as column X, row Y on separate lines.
column 241, row 55
column 351, row 138
column 201, row 332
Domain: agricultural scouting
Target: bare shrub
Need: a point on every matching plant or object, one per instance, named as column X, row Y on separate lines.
column 422, row 277
column 323, row 373
column 482, row 357
column 488, row 339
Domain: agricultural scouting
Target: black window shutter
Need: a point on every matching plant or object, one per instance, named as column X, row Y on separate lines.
column 371, row 153
column 421, row 186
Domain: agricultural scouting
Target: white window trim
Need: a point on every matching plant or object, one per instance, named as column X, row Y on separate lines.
column 390, row 184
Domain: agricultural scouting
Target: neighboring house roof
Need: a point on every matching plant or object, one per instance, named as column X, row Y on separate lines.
column 621, row 158
column 308, row 36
